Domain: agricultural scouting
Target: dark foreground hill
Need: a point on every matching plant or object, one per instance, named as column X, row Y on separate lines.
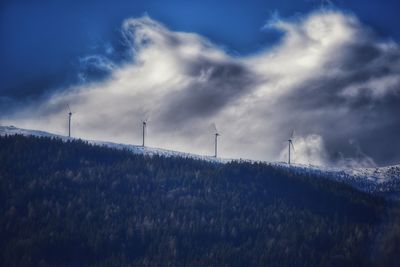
column 75, row 204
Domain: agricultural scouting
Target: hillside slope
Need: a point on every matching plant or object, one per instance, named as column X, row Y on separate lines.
column 382, row 181
column 69, row 203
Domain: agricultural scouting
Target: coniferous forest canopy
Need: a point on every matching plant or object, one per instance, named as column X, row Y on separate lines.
column 75, row 204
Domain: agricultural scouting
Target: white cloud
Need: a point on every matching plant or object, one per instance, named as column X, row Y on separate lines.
column 184, row 83
column 308, row 150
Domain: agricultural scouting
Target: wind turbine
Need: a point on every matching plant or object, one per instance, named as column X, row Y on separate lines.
column 216, row 140
column 144, row 123
column 69, row 121
column 290, row 143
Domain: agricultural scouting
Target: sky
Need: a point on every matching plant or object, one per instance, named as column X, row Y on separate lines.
column 256, row 69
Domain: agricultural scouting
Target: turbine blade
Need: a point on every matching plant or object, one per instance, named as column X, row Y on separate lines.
column 292, row 134
column 146, row 115
column 69, row 108
column 214, row 126
column 291, row 143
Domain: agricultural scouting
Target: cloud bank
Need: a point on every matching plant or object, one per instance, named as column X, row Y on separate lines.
column 329, row 78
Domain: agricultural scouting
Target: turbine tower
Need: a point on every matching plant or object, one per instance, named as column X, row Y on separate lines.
column 216, row 141
column 216, row 144
column 144, row 122
column 290, row 143
column 69, row 121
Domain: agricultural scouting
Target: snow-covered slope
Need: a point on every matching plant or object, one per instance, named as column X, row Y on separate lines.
column 11, row 130
column 383, row 180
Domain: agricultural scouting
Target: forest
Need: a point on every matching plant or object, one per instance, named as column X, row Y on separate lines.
column 75, row 204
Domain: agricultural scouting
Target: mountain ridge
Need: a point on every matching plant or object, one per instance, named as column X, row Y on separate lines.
column 375, row 180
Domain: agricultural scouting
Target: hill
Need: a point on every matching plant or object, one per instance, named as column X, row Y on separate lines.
column 71, row 203
column 382, row 181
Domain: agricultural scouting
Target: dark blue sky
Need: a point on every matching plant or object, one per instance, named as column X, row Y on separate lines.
column 42, row 41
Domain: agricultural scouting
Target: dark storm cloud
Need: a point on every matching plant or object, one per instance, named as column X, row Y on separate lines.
column 216, row 85
column 368, row 114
